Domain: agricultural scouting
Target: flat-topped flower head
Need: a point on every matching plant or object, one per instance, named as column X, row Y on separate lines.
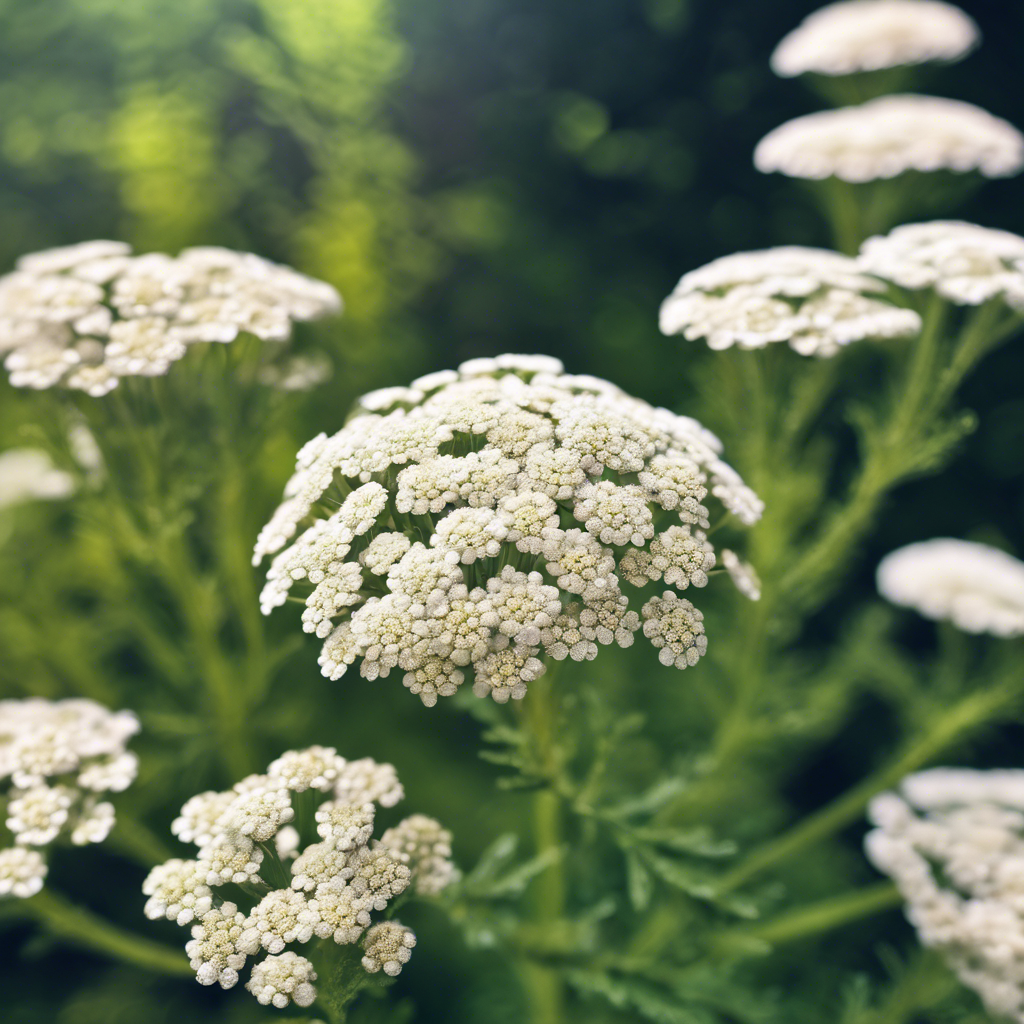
column 964, row 263
column 486, row 520
column 56, row 758
column 885, row 137
column 28, row 474
column 868, row 35
column 816, row 300
column 318, row 874
column 85, row 316
column 953, row 842
column 978, row 588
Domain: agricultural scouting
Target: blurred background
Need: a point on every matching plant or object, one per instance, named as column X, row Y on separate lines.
column 476, row 177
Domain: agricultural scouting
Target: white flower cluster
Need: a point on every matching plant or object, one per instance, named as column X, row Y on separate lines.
column 953, row 842
column 978, row 588
column 867, row 35
column 816, row 300
column 964, row 263
column 84, row 316
column 28, row 474
column 321, row 885
column 59, row 757
column 885, row 137
column 481, row 521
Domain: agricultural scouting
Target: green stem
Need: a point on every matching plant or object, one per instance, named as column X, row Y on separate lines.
column 815, row 918
column 890, row 451
column 83, row 928
column 544, row 986
column 844, row 214
column 959, row 720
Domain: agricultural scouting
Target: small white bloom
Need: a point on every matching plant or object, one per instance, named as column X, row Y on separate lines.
column 466, row 531
column 281, row 980
column 428, row 849
column 682, row 557
column 282, row 916
column 383, row 551
column 261, row 807
column 22, row 872
column 890, row 135
column 313, row 768
column 213, row 951
column 230, row 857
column 676, row 628
column 177, row 890
column 565, row 638
column 742, row 574
column 964, row 263
column 866, row 35
column 113, row 773
column 503, row 674
column 523, row 603
column 198, row 820
column 367, row 781
column 378, row 875
column 345, row 825
column 978, row 588
column 387, row 947
column 815, row 300
column 93, row 822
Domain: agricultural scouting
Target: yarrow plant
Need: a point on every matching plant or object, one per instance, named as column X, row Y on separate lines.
column 85, row 316
column 58, row 758
column 495, row 517
column 297, row 843
column 472, row 531
column 815, row 300
column 978, row 588
column 890, row 135
column 952, row 840
column 868, row 35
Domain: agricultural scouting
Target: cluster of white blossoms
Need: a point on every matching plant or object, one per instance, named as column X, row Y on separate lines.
column 28, row 474
column 964, row 263
column 816, row 300
column 885, row 137
column 84, row 316
column 978, row 588
column 484, row 520
column 58, row 757
column 867, row 35
column 323, row 885
column 953, row 842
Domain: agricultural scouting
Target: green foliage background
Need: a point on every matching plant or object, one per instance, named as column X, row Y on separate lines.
column 476, row 176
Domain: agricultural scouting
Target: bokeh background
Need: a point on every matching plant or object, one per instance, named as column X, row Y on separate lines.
column 476, row 177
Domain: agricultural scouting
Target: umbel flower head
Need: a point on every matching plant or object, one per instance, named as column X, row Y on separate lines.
column 964, row 263
column 978, row 588
column 28, row 474
column 867, row 35
column 57, row 757
column 815, row 299
column 485, row 520
column 953, row 842
column 86, row 315
column 890, row 135
column 323, row 884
